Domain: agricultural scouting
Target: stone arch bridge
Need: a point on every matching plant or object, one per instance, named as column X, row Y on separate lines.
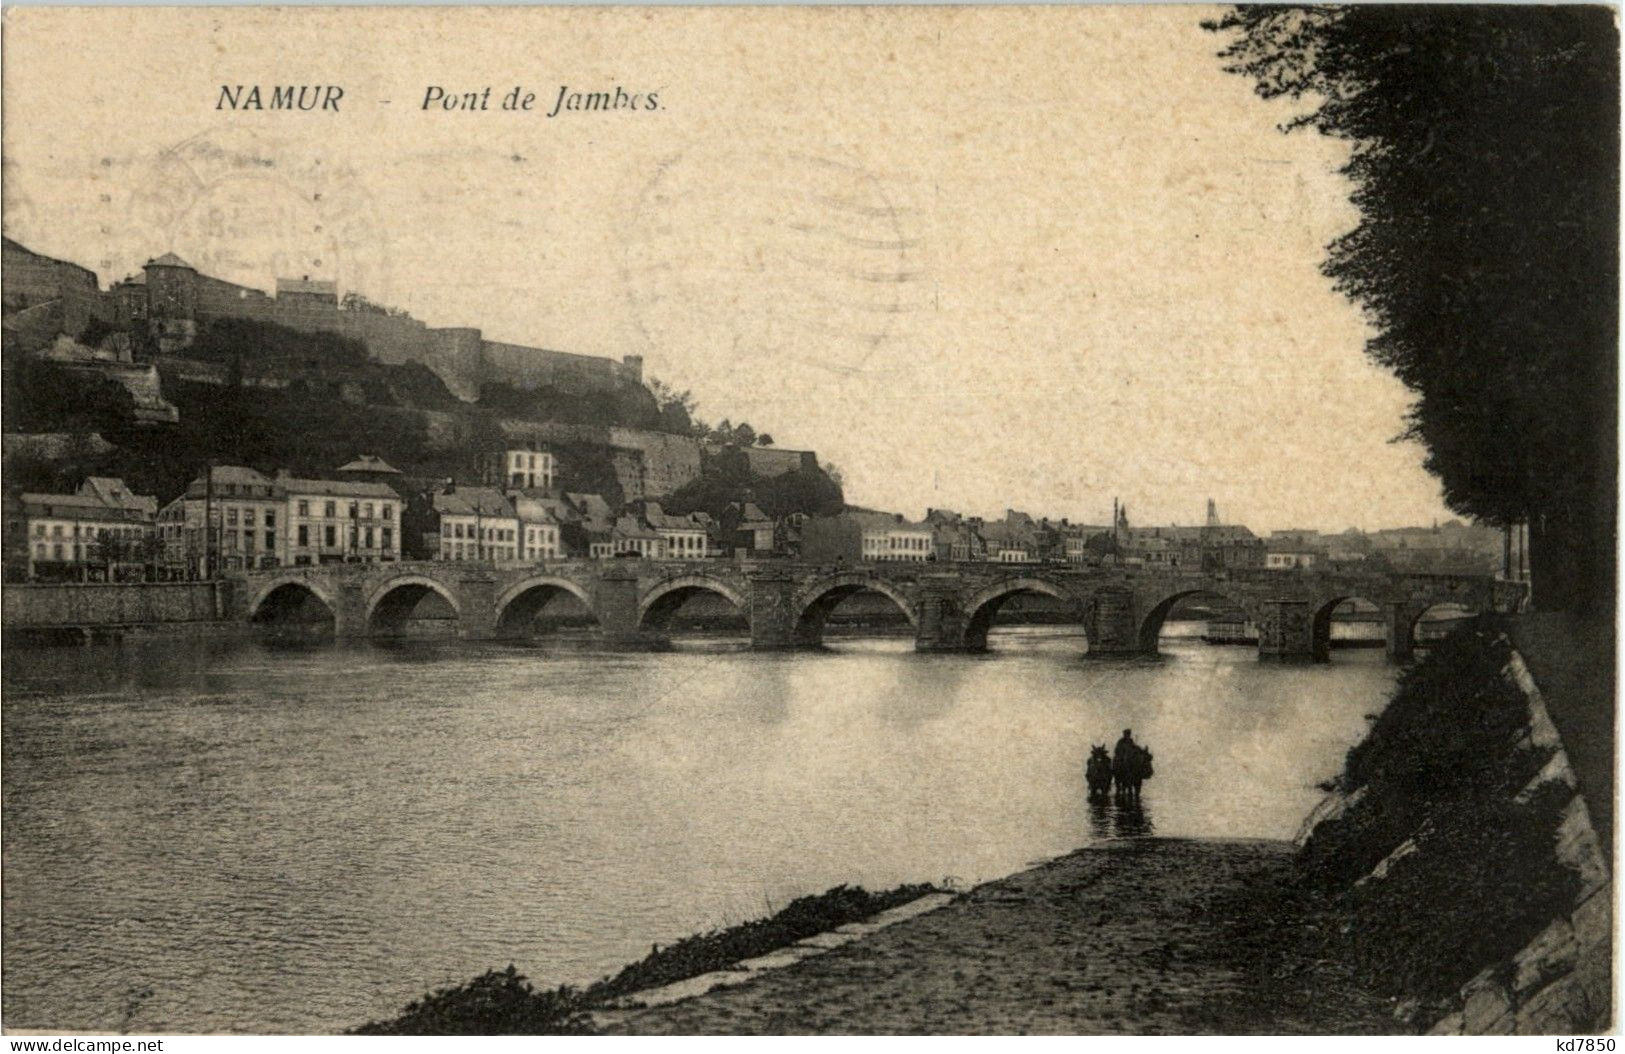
column 950, row 605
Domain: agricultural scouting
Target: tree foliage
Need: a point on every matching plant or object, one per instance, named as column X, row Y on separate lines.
column 1484, row 167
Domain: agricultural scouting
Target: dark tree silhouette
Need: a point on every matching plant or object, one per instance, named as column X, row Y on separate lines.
column 1485, row 171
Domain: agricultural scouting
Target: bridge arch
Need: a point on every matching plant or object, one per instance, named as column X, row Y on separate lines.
column 288, row 586
column 520, row 603
column 1150, row 628
column 397, row 600
column 1426, row 631
column 984, row 605
column 1321, row 624
column 292, row 600
column 659, row 604
column 815, row 603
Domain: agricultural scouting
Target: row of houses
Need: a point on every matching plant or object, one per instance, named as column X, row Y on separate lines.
column 233, row 517
column 1453, row 547
column 1019, row 537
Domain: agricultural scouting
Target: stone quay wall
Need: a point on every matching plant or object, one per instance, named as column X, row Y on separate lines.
column 92, row 605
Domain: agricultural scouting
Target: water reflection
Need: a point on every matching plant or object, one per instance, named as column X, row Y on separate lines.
column 1115, row 817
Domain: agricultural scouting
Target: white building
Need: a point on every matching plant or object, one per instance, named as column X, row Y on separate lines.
column 538, row 527
column 477, row 523
column 247, row 513
column 66, row 532
column 520, row 469
column 630, row 536
column 684, row 536
column 890, row 537
column 1289, row 559
column 340, row 521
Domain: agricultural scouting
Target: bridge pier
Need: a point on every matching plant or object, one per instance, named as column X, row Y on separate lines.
column 615, row 600
column 1112, row 625
column 477, row 614
column 772, row 611
column 943, row 618
column 350, row 611
column 1286, row 631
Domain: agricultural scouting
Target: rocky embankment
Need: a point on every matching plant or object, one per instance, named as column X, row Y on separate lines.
column 1461, row 857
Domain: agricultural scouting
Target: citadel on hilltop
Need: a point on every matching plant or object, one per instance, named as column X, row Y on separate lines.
column 172, row 299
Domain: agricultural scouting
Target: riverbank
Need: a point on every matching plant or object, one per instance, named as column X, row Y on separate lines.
column 1135, row 936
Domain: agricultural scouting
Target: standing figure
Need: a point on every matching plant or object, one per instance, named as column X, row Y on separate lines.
column 1131, row 765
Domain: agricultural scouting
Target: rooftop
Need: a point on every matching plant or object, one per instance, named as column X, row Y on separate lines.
column 471, row 501
column 369, row 463
column 335, row 488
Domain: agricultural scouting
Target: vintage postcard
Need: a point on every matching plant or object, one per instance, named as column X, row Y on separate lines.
column 958, row 520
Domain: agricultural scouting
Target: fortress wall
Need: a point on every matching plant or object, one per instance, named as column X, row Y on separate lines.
column 456, row 355
column 528, row 367
column 214, row 296
column 33, row 278
column 772, row 461
column 669, row 461
column 82, row 303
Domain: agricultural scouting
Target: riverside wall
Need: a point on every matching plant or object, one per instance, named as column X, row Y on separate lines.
column 98, row 605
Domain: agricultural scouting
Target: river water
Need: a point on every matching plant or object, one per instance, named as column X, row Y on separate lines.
column 230, row 836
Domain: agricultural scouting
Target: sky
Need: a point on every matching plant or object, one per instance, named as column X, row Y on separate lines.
column 1037, row 258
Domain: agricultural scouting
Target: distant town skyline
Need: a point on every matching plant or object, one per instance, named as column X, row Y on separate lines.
column 1112, row 292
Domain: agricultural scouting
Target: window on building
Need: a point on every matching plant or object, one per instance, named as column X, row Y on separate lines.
column 304, row 508
column 56, row 552
column 354, row 510
column 270, row 539
column 389, row 511
column 304, row 536
column 330, row 536
column 366, row 511
column 270, row 517
column 330, row 509
column 387, row 538
column 369, row 538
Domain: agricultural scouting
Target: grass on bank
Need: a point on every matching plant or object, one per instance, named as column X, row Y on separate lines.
column 503, row 1002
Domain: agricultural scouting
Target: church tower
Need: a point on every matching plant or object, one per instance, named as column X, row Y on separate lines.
column 1212, row 513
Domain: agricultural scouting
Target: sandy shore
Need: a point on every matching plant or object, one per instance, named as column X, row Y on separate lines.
column 1134, row 936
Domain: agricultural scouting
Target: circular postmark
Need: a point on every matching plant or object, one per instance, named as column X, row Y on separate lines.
column 250, row 208
column 769, row 261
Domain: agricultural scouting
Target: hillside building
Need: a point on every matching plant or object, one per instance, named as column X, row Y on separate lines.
column 522, row 468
